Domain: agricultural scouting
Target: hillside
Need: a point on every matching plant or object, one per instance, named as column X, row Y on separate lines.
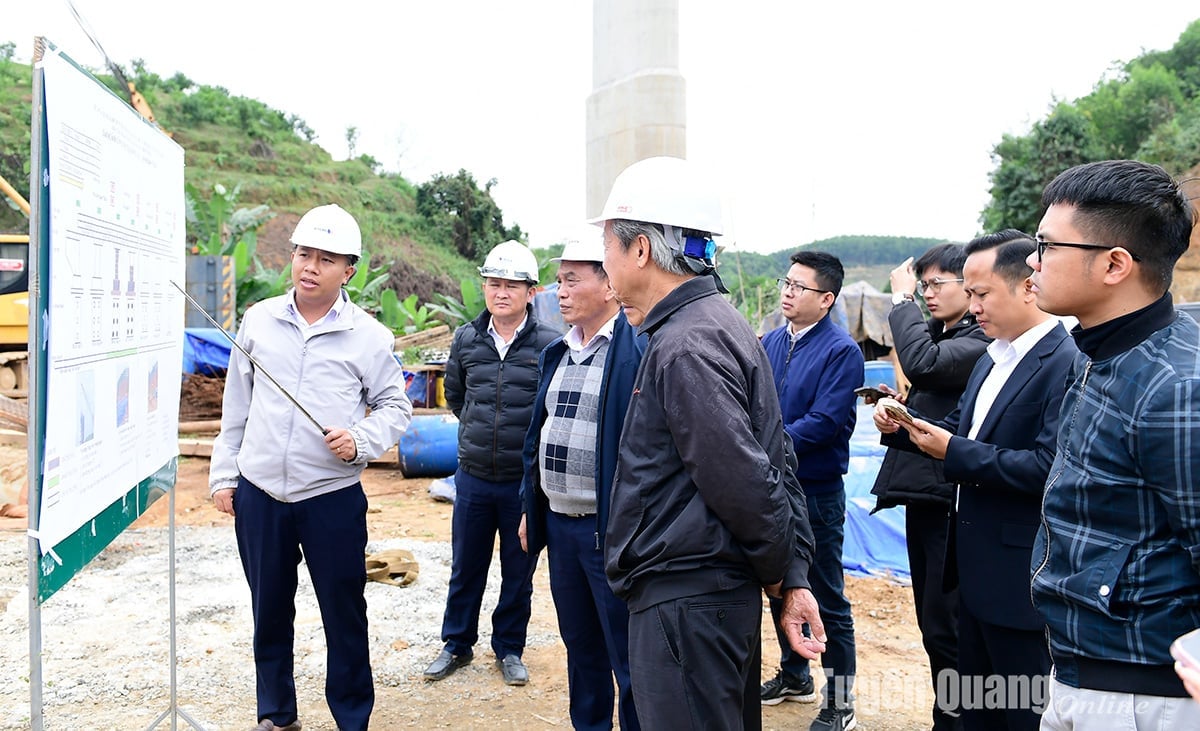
column 269, row 158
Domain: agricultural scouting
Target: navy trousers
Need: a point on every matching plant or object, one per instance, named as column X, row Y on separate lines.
column 593, row 623
column 986, row 649
column 483, row 509
column 330, row 532
column 827, row 514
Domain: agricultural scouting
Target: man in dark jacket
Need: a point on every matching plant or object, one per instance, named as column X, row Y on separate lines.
column 491, row 381
column 705, row 503
column 997, row 446
column 936, row 356
column 570, row 458
column 817, row 366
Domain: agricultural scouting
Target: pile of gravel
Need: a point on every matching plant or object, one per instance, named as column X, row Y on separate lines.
column 105, row 635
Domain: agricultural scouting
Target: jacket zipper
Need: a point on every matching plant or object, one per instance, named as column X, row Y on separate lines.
column 1087, row 369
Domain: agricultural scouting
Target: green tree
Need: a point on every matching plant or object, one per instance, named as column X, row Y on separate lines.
column 1125, row 111
column 462, row 215
column 1025, row 164
column 1183, row 58
column 1175, row 144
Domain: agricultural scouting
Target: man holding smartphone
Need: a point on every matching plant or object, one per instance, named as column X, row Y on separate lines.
column 937, row 356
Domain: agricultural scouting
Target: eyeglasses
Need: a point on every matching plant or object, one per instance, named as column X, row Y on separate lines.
column 1043, row 244
column 934, row 285
column 787, row 284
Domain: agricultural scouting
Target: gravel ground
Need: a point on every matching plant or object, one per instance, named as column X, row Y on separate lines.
column 105, row 635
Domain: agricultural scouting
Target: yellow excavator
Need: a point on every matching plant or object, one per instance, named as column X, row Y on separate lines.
column 14, row 301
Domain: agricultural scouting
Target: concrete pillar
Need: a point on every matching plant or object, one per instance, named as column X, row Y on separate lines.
column 637, row 108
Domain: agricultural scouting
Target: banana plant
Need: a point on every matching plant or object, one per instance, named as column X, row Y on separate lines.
column 458, row 311
column 404, row 316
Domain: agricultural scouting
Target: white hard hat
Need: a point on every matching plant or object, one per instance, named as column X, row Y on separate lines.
column 667, row 191
column 329, row 228
column 511, row 260
column 587, row 246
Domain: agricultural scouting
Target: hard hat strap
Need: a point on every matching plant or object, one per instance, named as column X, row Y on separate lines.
column 695, row 253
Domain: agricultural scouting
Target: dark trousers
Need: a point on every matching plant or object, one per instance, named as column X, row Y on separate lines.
column 483, row 509
column 988, row 649
column 593, row 622
column 827, row 514
column 330, row 532
column 925, row 529
column 695, row 662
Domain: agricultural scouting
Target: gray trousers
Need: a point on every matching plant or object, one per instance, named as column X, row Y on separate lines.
column 1082, row 709
column 695, row 663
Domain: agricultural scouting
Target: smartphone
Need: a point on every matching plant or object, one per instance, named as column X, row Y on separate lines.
column 870, row 392
column 1186, row 649
column 895, row 409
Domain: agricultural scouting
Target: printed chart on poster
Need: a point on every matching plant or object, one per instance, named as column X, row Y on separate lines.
column 115, row 328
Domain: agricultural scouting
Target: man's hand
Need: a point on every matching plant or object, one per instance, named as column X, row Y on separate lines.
column 930, row 439
column 223, row 499
column 903, row 279
column 884, row 421
column 800, row 608
column 521, row 535
column 341, row 443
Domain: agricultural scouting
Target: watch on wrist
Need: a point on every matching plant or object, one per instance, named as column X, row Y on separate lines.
column 898, row 297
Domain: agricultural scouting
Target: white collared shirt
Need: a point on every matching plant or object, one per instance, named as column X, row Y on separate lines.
column 305, row 326
column 502, row 345
column 574, row 338
column 797, row 334
column 1005, row 356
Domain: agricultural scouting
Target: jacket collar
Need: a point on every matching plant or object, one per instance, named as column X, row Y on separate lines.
column 1109, row 339
column 690, row 291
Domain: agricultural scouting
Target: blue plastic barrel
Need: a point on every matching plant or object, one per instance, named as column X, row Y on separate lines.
column 430, row 446
column 880, row 371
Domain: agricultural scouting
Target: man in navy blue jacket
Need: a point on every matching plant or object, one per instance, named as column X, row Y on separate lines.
column 584, row 385
column 817, row 366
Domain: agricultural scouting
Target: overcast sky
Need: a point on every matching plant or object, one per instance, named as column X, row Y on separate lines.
column 820, row 119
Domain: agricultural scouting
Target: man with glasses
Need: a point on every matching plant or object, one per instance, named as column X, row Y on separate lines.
column 936, row 357
column 817, row 366
column 998, row 446
column 1116, row 562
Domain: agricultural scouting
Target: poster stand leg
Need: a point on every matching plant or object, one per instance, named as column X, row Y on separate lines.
column 174, row 711
column 36, row 719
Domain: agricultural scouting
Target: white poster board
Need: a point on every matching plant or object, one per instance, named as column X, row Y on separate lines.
column 114, row 332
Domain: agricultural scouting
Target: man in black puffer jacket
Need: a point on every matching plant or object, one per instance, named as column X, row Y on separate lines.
column 491, row 383
column 937, row 357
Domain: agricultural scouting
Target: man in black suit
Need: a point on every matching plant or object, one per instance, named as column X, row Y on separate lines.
column 998, row 446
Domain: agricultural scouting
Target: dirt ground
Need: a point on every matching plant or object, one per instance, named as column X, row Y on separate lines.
column 892, row 686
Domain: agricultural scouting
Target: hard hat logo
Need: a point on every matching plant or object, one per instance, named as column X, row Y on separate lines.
column 511, row 260
column 329, row 228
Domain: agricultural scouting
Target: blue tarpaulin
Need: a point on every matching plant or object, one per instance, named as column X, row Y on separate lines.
column 874, row 544
column 205, row 350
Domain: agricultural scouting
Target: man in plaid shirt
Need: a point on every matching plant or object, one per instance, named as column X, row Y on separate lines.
column 1116, row 563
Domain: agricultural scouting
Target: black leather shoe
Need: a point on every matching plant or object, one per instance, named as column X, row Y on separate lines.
column 268, row 725
column 514, row 670
column 445, row 664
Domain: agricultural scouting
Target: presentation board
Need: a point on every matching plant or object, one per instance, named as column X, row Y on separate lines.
column 111, row 207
